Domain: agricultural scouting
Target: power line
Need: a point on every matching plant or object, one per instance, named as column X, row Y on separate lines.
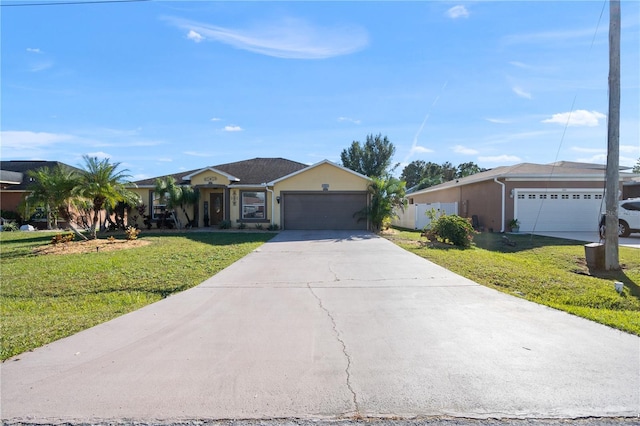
column 72, row 2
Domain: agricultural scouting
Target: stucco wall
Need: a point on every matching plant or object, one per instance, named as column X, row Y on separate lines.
column 313, row 179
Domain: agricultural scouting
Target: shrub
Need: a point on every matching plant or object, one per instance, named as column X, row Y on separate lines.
column 62, row 238
column 225, row 224
column 10, row 226
column 242, row 226
column 273, row 227
column 11, row 216
column 132, row 233
column 259, row 226
column 453, row 229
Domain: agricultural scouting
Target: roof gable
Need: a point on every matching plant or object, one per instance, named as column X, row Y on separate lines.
column 323, row 162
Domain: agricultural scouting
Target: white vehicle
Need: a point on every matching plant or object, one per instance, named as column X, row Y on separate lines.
column 628, row 218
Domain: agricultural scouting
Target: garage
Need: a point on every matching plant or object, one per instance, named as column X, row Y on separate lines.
column 571, row 209
column 323, row 210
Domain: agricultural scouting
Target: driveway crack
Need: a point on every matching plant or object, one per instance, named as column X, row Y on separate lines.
column 347, row 370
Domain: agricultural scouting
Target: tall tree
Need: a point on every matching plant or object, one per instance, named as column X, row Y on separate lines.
column 468, row 169
column 636, row 168
column 414, row 172
column 105, row 185
column 373, row 158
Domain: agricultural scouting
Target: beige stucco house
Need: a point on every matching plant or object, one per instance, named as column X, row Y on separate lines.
column 268, row 191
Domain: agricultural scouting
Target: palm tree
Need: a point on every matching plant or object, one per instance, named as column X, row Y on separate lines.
column 387, row 194
column 56, row 188
column 174, row 195
column 104, row 185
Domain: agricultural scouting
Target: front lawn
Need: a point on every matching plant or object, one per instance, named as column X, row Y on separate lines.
column 544, row 270
column 45, row 297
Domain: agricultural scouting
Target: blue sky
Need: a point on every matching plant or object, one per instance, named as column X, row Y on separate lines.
column 165, row 86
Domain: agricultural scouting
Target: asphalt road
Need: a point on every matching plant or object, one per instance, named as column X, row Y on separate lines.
column 317, row 325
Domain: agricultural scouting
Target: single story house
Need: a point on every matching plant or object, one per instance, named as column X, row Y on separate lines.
column 14, row 180
column 561, row 196
column 268, row 191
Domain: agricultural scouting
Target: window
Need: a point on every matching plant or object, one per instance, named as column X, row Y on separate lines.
column 157, row 209
column 543, row 196
column 576, row 196
column 253, row 205
column 598, row 196
column 565, row 196
column 520, row 196
column 532, row 196
column 587, row 196
column 554, row 196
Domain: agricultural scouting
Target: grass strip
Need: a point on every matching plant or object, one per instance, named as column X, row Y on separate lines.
column 47, row 297
column 545, row 270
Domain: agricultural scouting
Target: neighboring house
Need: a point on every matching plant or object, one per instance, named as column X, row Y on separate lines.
column 265, row 191
column 14, row 180
column 562, row 196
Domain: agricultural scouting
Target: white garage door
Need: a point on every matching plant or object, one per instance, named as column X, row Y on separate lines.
column 558, row 210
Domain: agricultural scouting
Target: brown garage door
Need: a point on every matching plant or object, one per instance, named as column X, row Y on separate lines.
column 323, row 210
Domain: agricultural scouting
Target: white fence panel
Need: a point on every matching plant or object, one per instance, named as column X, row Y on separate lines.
column 415, row 215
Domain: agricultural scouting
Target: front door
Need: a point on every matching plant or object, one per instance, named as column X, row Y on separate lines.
column 217, row 208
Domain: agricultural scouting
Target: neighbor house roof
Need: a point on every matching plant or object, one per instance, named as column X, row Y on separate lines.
column 256, row 171
column 554, row 171
column 19, row 168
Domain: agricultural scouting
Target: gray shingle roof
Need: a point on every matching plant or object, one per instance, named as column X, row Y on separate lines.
column 551, row 171
column 22, row 167
column 255, row 171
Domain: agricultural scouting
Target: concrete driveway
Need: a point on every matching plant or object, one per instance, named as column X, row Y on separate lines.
column 326, row 325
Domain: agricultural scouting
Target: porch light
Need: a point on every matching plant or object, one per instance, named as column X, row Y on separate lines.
column 278, row 199
column 234, row 197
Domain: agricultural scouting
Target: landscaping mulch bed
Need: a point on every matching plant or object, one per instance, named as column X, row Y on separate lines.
column 90, row 246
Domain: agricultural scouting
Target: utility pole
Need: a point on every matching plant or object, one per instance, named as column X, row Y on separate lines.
column 612, row 183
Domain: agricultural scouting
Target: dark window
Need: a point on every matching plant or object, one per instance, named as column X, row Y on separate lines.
column 253, row 205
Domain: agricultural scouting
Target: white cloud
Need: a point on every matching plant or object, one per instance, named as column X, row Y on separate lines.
column 579, row 117
column 287, row 38
column 350, row 120
column 520, row 92
column 33, row 50
column 19, row 139
column 99, row 154
column 459, row 149
column 165, row 160
column 520, row 65
column 232, row 129
column 588, row 150
column 216, row 119
column 594, row 159
column 500, row 159
column 420, row 149
column 458, row 12
column 630, row 149
column 192, row 35
column 41, row 66
column 139, row 176
column 498, row 120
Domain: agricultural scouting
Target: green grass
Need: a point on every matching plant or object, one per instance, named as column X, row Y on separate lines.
column 544, row 270
column 46, row 297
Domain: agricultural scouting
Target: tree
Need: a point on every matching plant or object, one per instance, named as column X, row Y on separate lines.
column 468, row 169
column 104, row 185
column 420, row 174
column 56, row 189
column 373, row 158
column 636, row 168
column 174, row 195
column 387, row 194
